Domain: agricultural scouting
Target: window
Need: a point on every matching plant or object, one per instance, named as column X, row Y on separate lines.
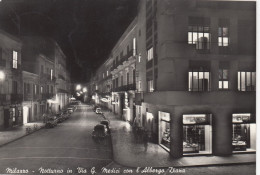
column 15, row 60
column 51, row 74
column 52, row 89
column 127, row 78
column 199, row 81
column 197, row 134
column 223, row 36
column 41, row 89
column 199, row 35
column 107, row 72
column 35, row 89
column 41, row 69
column 103, row 75
column 246, row 81
column 243, row 132
column 15, row 87
column 122, row 80
column 150, row 54
column 139, row 85
column 150, row 85
column 223, row 82
column 139, row 58
column 134, row 46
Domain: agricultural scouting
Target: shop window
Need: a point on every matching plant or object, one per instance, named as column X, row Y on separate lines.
column 197, row 134
column 200, row 36
column 223, row 37
column 246, row 81
column 223, row 83
column 150, row 85
column 150, row 54
column 199, row 81
column 164, row 130
column 15, row 59
column 243, row 132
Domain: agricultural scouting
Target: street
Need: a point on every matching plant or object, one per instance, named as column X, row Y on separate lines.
column 66, row 147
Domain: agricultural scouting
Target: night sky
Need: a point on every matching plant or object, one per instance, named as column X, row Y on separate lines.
column 86, row 30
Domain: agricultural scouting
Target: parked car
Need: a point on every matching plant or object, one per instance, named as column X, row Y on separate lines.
column 60, row 117
column 100, row 132
column 51, row 121
column 98, row 111
column 65, row 114
column 70, row 110
column 106, row 123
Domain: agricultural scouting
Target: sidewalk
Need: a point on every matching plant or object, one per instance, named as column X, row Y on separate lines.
column 18, row 132
column 128, row 153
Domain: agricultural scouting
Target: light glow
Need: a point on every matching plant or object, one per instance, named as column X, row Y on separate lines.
column 2, row 76
column 84, row 89
column 78, row 87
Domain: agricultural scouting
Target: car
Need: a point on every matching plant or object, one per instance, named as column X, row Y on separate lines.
column 65, row 114
column 60, row 117
column 105, row 122
column 100, row 132
column 98, row 111
column 51, row 121
column 70, row 110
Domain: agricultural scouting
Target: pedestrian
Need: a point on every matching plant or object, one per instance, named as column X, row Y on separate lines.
column 145, row 140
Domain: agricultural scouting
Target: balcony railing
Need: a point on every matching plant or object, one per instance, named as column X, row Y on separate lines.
column 16, row 98
column 123, row 59
column 125, row 88
column 46, row 96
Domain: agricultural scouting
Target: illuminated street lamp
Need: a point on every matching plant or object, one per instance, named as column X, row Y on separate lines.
column 84, row 89
column 2, row 76
column 78, row 87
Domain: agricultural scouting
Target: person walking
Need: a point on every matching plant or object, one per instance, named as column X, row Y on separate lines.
column 145, row 140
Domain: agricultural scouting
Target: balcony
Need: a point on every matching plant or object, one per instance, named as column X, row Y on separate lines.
column 46, row 77
column 47, row 96
column 61, row 77
column 125, row 88
column 16, row 98
column 28, row 97
column 123, row 59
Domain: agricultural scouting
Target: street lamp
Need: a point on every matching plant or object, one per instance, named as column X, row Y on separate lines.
column 2, row 76
column 78, row 87
column 84, row 89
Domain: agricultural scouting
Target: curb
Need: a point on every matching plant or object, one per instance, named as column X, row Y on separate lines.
column 4, row 144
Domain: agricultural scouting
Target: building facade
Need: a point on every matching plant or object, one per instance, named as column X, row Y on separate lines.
column 194, row 75
column 200, row 78
column 10, row 81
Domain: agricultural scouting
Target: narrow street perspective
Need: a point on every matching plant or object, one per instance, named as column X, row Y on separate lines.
column 68, row 146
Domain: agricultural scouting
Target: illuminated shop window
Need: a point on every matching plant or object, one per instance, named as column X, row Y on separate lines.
column 223, row 37
column 164, row 130
column 199, row 81
column 243, row 132
column 197, row 134
column 200, row 36
column 223, row 76
column 246, row 81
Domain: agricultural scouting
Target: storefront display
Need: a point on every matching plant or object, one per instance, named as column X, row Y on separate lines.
column 164, row 130
column 197, row 134
column 243, row 132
